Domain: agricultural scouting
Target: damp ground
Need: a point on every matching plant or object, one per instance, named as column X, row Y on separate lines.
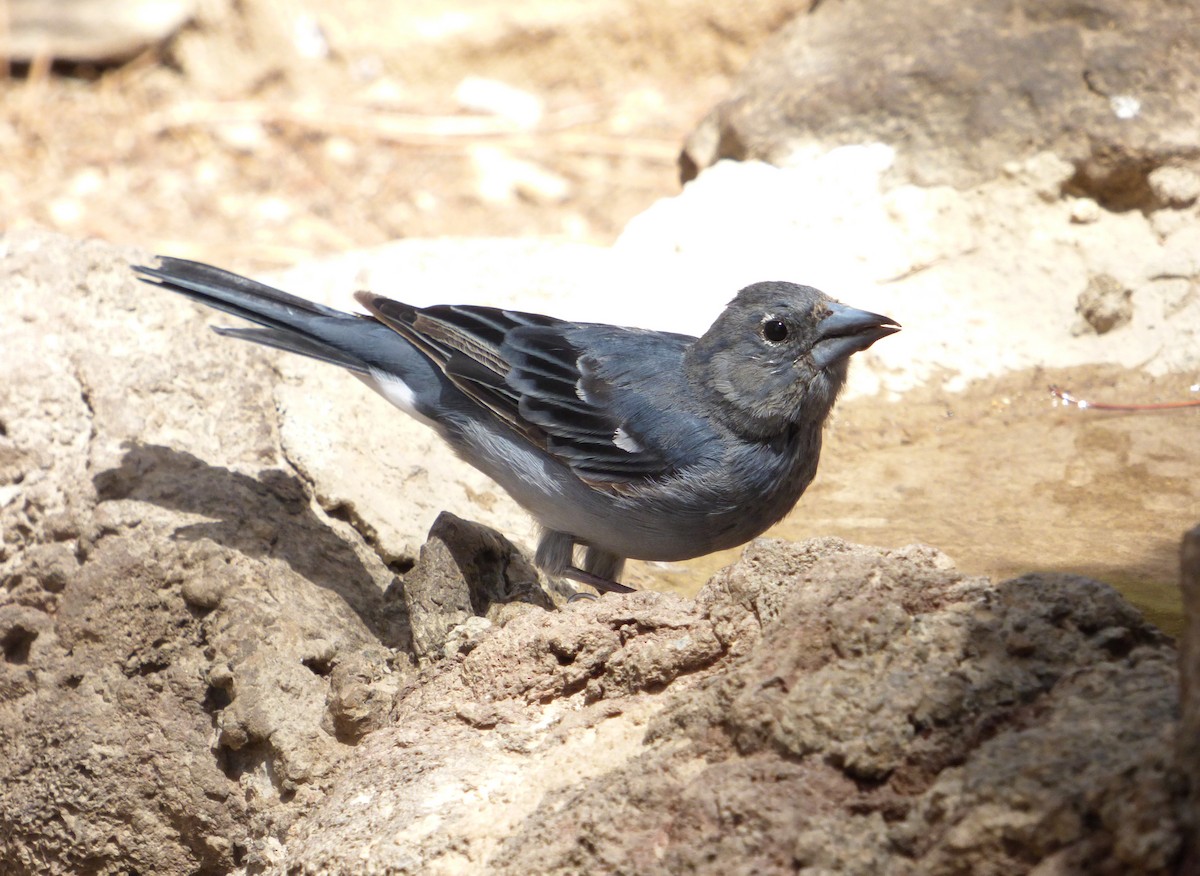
column 1005, row 481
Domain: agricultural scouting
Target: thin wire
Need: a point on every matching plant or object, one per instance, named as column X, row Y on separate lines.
column 1067, row 398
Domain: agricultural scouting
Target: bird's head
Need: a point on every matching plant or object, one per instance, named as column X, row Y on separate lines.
column 778, row 355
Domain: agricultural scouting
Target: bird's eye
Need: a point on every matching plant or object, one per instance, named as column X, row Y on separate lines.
column 774, row 330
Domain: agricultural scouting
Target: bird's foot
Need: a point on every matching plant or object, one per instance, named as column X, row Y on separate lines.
column 602, row 584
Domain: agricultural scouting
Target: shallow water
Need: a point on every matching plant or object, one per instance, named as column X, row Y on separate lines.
column 1006, row 482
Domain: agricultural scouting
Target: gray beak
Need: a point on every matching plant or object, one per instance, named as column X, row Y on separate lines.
column 847, row 331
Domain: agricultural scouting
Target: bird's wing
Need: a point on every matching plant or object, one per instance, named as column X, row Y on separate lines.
column 554, row 384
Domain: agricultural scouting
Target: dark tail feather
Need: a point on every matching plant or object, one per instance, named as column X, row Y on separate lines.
column 288, row 323
column 240, row 296
column 294, row 342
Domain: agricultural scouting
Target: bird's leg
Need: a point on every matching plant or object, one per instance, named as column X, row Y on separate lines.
column 603, row 564
column 600, row 568
column 555, row 552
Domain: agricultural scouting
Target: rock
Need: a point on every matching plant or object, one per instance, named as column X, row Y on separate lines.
column 840, row 223
column 88, row 30
column 1175, row 186
column 1180, row 256
column 522, row 108
column 1105, row 304
column 1085, row 211
column 819, row 705
column 362, row 685
column 465, row 570
column 186, row 638
column 956, row 95
column 464, row 638
column 1045, row 173
column 504, row 178
column 1189, row 683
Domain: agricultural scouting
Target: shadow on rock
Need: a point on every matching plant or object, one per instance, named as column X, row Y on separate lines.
column 265, row 517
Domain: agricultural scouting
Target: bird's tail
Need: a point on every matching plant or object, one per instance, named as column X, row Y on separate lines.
column 287, row 322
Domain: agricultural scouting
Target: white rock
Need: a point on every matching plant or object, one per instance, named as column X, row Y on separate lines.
column 1175, row 186
column 1084, row 211
column 497, row 98
column 504, row 178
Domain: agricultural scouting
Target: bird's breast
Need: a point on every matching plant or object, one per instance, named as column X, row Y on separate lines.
column 721, row 504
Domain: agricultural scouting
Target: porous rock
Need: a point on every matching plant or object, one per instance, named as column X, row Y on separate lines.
column 184, row 633
column 465, row 571
column 1189, row 666
column 1104, row 305
column 819, row 706
column 956, row 92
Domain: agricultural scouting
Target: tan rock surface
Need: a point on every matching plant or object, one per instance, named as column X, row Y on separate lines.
column 819, row 706
column 1106, row 86
column 173, row 601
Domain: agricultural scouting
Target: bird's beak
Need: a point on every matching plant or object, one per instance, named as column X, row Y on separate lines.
column 847, row 331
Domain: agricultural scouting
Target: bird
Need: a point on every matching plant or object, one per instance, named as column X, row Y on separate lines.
column 620, row 442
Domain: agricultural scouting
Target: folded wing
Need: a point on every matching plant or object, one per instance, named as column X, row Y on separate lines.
column 549, row 381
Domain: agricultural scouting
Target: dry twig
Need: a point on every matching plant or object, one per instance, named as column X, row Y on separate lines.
column 410, row 129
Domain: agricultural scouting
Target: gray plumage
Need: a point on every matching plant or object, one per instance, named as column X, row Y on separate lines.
column 625, row 442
